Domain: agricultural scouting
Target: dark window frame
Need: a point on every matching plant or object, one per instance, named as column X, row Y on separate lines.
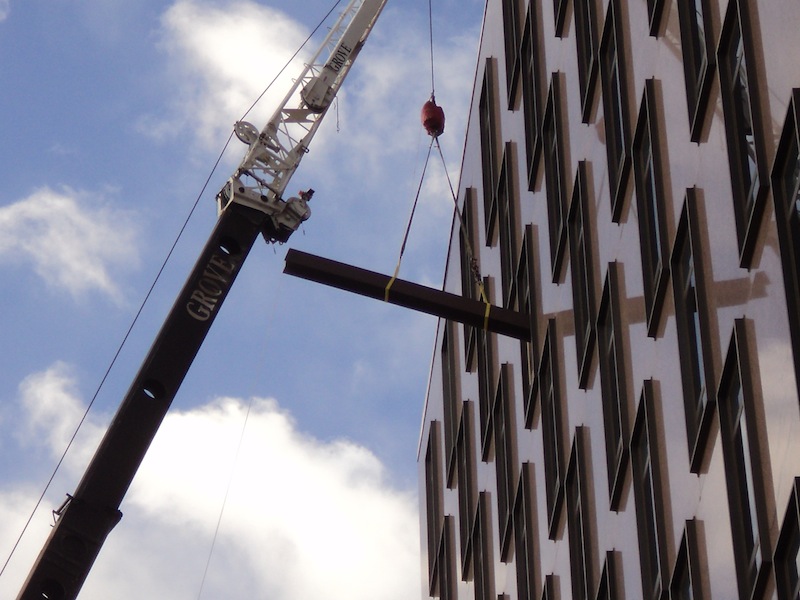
column 467, row 480
column 614, row 382
column 649, row 491
column 507, row 223
column 550, row 588
column 746, row 459
column 487, row 375
column 587, row 40
column 526, row 302
column 650, row 179
column 786, row 197
column 699, row 60
column 451, row 398
column 512, row 34
column 489, row 128
column 470, row 268
column 482, row 561
column 787, row 549
column 749, row 189
column 610, row 586
column 555, row 166
column 505, row 453
column 616, row 112
column 582, row 267
column 580, row 519
column 526, row 556
column 553, row 423
column 690, row 565
column 655, row 13
column 532, row 75
column 442, row 582
column 434, row 500
column 692, row 320
column 560, row 16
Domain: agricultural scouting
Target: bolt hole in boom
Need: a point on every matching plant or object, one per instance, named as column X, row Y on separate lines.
column 229, row 246
column 152, row 389
column 52, row 590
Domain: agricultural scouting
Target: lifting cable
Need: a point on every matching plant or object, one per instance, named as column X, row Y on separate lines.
column 147, row 297
column 435, row 128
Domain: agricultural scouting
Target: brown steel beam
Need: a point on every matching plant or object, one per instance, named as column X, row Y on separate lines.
column 407, row 294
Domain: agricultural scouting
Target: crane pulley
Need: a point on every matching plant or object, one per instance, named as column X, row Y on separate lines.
column 275, row 152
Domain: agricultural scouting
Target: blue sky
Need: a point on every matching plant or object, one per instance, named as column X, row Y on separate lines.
column 113, row 114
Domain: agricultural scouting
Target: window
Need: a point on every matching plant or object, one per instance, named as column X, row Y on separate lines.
column 486, row 380
column 560, row 13
column 482, row 563
column 587, row 39
column 580, row 520
column 490, row 144
column 787, row 550
column 470, row 270
column 555, row 174
column 525, row 535
column 441, row 568
column 610, row 587
column 553, row 426
column 505, row 455
column 582, row 266
column 532, row 89
column 433, row 494
column 655, row 10
column 649, row 176
column 740, row 101
column 744, row 465
column 450, row 397
column 443, row 580
column 698, row 60
column 507, row 221
column 550, row 589
column 648, row 492
column 526, row 304
column 613, row 380
column 786, row 194
column 467, row 486
column 691, row 319
column 688, row 578
column 615, row 107
column 512, row 33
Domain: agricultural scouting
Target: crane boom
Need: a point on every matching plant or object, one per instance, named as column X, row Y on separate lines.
column 250, row 203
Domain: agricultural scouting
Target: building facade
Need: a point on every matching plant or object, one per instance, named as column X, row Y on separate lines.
column 630, row 182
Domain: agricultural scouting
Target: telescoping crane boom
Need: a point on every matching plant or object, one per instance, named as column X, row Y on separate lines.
column 251, row 202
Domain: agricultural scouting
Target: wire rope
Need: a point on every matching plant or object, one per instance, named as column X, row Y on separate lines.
column 148, row 294
column 473, row 262
column 430, row 31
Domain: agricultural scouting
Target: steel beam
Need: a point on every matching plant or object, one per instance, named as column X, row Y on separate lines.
column 407, row 294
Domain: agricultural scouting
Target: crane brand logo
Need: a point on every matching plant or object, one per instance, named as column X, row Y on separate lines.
column 210, row 287
column 338, row 59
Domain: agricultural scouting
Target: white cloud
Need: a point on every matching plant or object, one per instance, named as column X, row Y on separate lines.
column 53, row 409
column 5, row 9
column 222, row 56
column 304, row 518
column 72, row 239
